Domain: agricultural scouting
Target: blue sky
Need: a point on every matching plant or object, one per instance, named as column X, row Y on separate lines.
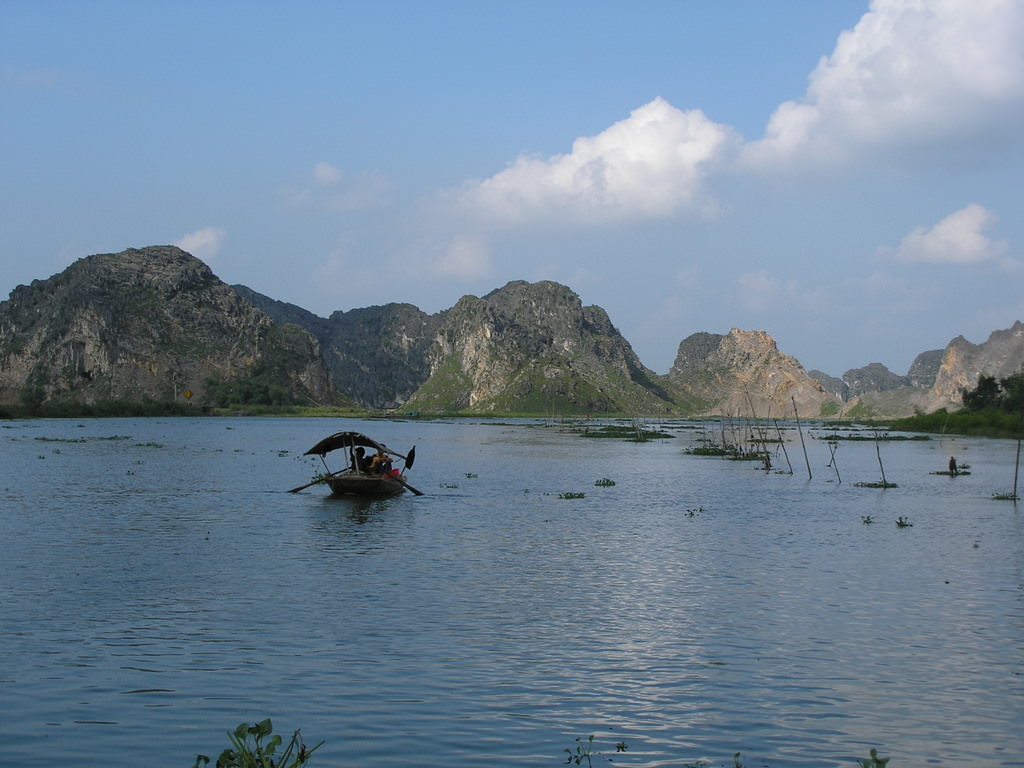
column 844, row 175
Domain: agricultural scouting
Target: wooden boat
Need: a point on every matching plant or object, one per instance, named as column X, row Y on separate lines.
column 369, row 471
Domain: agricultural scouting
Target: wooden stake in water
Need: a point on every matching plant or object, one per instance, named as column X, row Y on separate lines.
column 878, row 450
column 1016, row 471
column 798, row 429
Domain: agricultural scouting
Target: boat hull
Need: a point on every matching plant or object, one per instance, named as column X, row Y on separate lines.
column 353, row 484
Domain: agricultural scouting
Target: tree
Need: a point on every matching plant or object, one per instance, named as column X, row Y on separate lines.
column 986, row 395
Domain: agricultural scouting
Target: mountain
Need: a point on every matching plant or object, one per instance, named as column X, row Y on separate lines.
column 156, row 324
column 743, row 372
column 377, row 355
column 1001, row 355
column 149, row 324
column 534, row 348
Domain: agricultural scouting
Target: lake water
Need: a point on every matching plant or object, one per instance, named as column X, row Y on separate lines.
column 160, row 586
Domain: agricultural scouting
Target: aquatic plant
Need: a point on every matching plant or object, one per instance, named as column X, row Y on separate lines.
column 248, row 749
column 867, row 519
column 571, row 495
column 874, row 761
column 630, row 432
column 605, row 482
column 882, row 484
column 1005, row 497
column 902, row 522
column 584, row 752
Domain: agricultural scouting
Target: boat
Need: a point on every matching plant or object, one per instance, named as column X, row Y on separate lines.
column 369, row 471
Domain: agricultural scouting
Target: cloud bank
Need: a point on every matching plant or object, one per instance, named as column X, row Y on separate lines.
column 910, row 72
column 653, row 163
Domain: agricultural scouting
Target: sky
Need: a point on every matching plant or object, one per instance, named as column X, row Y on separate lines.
column 845, row 175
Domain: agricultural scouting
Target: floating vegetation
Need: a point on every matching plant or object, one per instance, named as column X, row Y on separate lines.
column 148, row 445
column 731, row 452
column 885, row 437
column 605, row 482
column 995, row 496
column 471, row 475
column 947, row 473
column 694, row 512
column 879, row 484
column 79, row 439
column 874, row 761
column 630, row 432
column 867, row 519
column 572, row 495
column 248, row 749
column 449, row 485
column 902, row 522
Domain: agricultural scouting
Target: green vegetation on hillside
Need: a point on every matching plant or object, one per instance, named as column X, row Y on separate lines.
column 994, row 408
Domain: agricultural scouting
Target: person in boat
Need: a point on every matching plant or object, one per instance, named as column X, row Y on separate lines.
column 380, row 463
column 952, row 465
column 359, row 460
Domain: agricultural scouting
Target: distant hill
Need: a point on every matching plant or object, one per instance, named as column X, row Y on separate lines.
column 148, row 324
column 534, row 348
column 743, row 372
column 377, row 356
column 155, row 323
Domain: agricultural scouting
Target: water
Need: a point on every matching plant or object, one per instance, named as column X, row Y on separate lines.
column 159, row 586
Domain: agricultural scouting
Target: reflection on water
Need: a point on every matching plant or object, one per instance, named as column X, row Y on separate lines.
column 160, row 586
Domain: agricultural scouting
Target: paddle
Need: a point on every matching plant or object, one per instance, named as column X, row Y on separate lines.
column 318, row 480
column 401, row 480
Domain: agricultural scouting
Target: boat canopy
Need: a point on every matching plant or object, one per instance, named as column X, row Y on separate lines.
column 349, row 440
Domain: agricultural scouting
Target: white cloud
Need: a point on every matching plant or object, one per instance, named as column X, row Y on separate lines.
column 957, row 239
column 204, row 243
column 761, row 291
column 465, row 257
column 651, row 164
column 326, row 175
column 327, row 188
column 910, row 72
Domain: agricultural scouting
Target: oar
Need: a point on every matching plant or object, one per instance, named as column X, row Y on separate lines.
column 318, row 480
column 401, row 479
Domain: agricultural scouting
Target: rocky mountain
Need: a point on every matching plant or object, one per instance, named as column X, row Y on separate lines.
column 149, row 324
column 156, row 323
column 377, row 355
column 743, row 372
column 1001, row 355
column 534, row 348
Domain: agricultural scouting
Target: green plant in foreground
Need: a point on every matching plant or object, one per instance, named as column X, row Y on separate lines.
column 248, row 749
column 874, row 761
column 585, row 754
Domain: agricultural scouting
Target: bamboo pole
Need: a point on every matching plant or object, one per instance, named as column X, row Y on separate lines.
column 798, row 429
column 832, row 446
column 878, row 450
column 1016, row 471
column 782, row 442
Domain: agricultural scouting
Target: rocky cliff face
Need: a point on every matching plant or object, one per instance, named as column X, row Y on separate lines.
column 533, row 348
column 744, row 372
column 1001, row 355
column 150, row 323
column 377, row 356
